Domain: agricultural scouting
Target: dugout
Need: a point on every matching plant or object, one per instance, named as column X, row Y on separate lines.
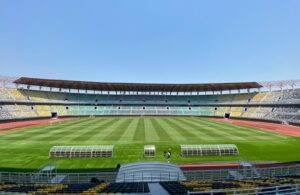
column 149, row 151
column 100, row 151
column 209, row 150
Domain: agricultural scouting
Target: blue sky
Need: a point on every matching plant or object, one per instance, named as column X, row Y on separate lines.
column 151, row 41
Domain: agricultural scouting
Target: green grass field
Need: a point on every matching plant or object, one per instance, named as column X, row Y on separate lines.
column 28, row 148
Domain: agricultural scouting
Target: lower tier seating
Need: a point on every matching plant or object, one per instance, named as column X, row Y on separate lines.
column 203, row 186
column 266, row 185
column 84, row 189
column 132, row 187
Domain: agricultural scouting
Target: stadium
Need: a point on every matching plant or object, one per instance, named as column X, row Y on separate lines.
column 81, row 137
column 152, row 97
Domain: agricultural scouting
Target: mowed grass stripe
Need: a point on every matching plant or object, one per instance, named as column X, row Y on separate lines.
column 64, row 133
column 250, row 133
column 235, row 128
column 67, row 133
column 139, row 134
column 222, row 131
column 45, row 135
column 32, row 131
column 74, row 126
column 90, row 132
column 61, row 124
column 129, row 131
column 243, row 128
column 150, row 132
column 187, row 132
column 29, row 130
column 245, row 132
column 218, row 131
column 256, row 133
column 93, row 132
column 231, row 131
column 177, row 132
column 203, row 132
column 161, row 132
column 56, row 129
column 108, row 129
column 117, row 133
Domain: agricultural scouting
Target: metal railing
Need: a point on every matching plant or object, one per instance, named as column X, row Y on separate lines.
column 291, row 189
column 151, row 176
column 224, row 174
column 76, row 178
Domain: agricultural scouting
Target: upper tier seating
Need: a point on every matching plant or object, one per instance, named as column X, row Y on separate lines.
column 4, row 94
column 46, row 96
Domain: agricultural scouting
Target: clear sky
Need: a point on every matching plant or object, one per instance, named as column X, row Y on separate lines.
column 187, row 41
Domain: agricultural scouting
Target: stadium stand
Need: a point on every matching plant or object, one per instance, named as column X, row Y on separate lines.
column 126, row 188
column 4, row 94
column 222, row 187
column 54, row 98
column 88, row 188
column 271, row 185
column 85, row 189
column 278, row 105
column 274, row 178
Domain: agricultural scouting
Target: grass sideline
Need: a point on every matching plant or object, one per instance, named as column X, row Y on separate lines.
column 27, row 149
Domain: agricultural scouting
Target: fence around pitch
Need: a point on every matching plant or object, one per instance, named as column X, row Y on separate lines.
column 292, row 189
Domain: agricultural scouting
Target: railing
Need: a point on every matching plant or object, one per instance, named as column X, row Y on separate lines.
column 21, row 177
column 150, row 177
column 153, row 102
column 292, row 189
column 224, row 174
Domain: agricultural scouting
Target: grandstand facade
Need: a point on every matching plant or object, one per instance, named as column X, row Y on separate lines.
column 23, row 98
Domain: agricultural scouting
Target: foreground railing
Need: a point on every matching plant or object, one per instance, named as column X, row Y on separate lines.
column 223, row 174
column 291, row 189
column 19, row 177
column 151, row 177
column 226, row 174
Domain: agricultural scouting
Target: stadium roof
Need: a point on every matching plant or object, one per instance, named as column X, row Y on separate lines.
column 143, row 87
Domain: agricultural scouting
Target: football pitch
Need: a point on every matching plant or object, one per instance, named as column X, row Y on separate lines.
column 27, row 149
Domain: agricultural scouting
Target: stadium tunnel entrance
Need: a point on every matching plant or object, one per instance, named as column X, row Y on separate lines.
column 227, row 115
column 54, row 115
